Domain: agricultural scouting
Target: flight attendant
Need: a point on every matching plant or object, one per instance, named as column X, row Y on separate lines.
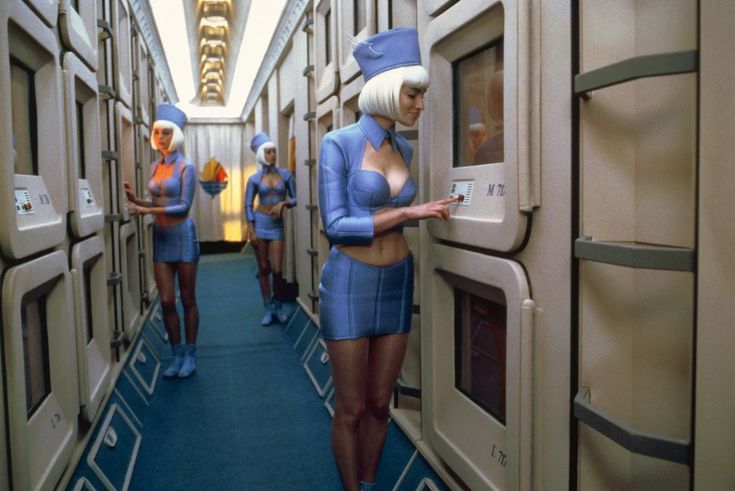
column 366, row 290
column 276, row 190
column 175, row 244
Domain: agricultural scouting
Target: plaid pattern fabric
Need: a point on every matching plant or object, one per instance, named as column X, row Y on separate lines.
column 359, row 300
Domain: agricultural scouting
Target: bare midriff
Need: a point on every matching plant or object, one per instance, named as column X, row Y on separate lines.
column 389, row 247
column 164, row 171
column 265, row 209
column 169, row 220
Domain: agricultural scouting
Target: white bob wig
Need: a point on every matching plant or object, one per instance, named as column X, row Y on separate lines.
column 177, row 139
column 260, row 155
column 381, row 94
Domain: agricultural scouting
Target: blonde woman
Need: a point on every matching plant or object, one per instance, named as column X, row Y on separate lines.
column 366, row 288
column 175, row 244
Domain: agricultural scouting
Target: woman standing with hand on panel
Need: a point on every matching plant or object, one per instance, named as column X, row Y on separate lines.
column 175, row 243
column 366, row 289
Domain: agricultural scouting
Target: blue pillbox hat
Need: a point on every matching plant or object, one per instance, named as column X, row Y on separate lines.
column 386, row 50
column 168, row 112
column 258, row 140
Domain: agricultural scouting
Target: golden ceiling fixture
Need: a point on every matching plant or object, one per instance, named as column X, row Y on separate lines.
column 214, row 11
column 214, row 33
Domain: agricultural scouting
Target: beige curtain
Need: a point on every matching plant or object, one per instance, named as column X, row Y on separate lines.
column 220, row 218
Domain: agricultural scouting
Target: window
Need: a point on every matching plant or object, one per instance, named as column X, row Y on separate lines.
column 35, row 351
column 478, row 118
column 25, row 130
column 328, row 37
column 88, row 265
column 359, row 16
column 480, row 348
column 81, row 173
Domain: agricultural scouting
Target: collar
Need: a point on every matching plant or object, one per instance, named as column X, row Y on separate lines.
column 270, row 169
column 376, row 133
column 171, row 157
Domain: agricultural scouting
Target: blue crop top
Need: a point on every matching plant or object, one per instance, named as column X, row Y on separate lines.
column 176, row 193
column 348, row 195
column 266, row 194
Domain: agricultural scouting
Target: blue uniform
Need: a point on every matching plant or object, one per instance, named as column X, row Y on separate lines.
column 175, row 194
column 265, row 226
column 358, row 299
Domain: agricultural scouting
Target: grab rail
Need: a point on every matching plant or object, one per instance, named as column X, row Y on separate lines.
column 635, row 68
column 671, row 449
column 635, row 255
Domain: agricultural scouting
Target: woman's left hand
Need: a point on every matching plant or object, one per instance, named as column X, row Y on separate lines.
column 134, row 209
column 277, row 210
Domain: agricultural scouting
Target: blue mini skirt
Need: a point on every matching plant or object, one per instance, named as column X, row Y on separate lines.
column 176, row 244
column 358, row 300
column 267, row 228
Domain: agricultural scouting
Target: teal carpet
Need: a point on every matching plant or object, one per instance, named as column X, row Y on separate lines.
column 249, row 419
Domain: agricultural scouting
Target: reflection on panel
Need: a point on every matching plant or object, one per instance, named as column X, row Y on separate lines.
column 482, row 151
column 478, row 81
column 130, row 278
column 46, row 10
column 78, row 28
column 358, row 20
column 92, row 323
column 477, row 340
column 480, row 337
column 31, row 137
column 123, row 72
column 325, row 14
column 636, row 317
column 40, row 367
column 125, row 132
column 83, row 147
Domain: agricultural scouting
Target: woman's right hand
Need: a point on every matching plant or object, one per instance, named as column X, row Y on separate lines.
column 251, row 237
column 129, row 192
column 432, row 209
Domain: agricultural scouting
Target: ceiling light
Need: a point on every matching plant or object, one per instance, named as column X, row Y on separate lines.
column 214, row 32
column 213, row 42
column 212, row 65
column 207, row 24
column 215, row 12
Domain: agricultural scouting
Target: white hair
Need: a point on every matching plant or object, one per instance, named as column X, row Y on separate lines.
column 177, row 139
column 381, row 94
column 260, row 154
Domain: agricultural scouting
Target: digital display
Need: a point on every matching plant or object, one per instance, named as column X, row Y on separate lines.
column 462, row 188
column 23, row 203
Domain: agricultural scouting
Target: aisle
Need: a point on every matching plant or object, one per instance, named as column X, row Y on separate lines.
column 249, row 419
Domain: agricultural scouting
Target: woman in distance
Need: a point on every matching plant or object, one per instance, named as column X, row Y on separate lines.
column 276, row 189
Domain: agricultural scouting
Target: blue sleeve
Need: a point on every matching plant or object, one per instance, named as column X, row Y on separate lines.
column 341, row 228
column 291, row 189
column 250, row 192
column 188, row 188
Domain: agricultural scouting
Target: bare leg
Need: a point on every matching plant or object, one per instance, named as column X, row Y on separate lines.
column 261, row 254
column 349, row 360
column 385, row 360
column 187, row 288
column 275, row 257
column 165, row 274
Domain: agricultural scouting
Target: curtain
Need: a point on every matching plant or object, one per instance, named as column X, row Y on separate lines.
column 220, row 217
